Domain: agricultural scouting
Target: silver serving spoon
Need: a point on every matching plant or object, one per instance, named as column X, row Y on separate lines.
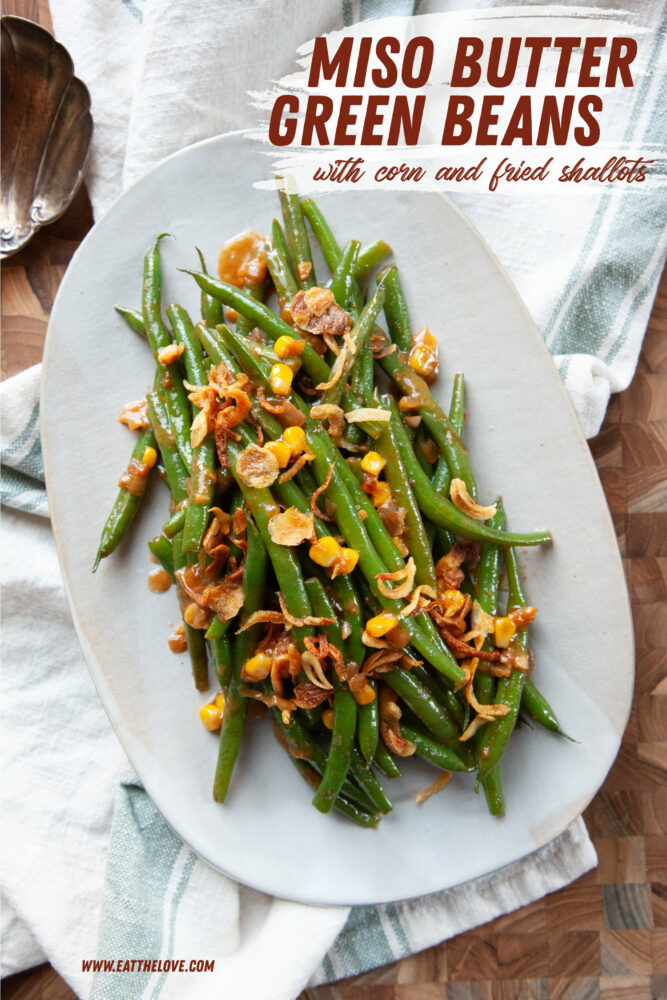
column 46, row 131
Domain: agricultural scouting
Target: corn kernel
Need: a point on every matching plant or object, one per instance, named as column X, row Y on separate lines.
column 281, row 379
column 328, row 717
column 454, row 600
column 425, row 337
column 381, row 624
column 196, row 617
column 325, row 551
column 505, row 630
column 365, row 696
column 211, row 717
column 423, row 360
column 296, row 439
column 281, row 451
column 288, row 347
column 149, row 457
column 346, row 562
column 220, row 701
column 381, row 494
column 372, row 463
column 258, row 667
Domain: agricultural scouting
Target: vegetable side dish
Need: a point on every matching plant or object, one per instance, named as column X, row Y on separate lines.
column 331, row 557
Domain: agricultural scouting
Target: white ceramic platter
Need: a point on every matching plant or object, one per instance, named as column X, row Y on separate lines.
column 525, row 443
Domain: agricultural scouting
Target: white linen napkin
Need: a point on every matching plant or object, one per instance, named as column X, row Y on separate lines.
column 84, row 877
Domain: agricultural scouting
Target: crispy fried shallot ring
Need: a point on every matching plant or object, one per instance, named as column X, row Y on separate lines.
column 407, row 574
column 461, row 498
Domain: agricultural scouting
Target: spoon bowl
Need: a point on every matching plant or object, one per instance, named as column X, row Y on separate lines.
column 46, row 131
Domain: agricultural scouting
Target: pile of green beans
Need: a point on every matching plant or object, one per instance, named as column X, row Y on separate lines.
column 343, row 717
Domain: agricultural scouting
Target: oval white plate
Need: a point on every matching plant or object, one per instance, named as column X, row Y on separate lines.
column 525, row 443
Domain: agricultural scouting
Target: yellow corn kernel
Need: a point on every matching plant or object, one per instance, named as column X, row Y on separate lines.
column 288, row 347
column 454, row 600
column 505, row 630
column 149, row 457
column 281, row 451
column 381, row 624
column 211, row 717
column 296, row 439
column 423, row 360
column 220, row 701
column 372, row 463
column 325, row 551
column 328, row 717
column 192, row 615
column 425, row 337
column 365, row 696
column 258, row 667
column 281, row 379
column 381, row 494
column 347, row 560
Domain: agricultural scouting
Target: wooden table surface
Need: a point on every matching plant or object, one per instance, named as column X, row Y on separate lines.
column 606, row 935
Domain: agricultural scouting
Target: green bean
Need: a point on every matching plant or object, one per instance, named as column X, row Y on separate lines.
column 221, row 654
column 488, row 576
column 396, row 476
column 175, row 522
column 435, row 753
column 171, row 380
column 362, row 378
column 202, row 470
column 346, row 807
column 217, row 628
column 211, row 308
column 396, row 309
column 345, row 709
column 343, row 276
column 493, row 792
column 363, row 775
column 297, row 239
column 441, row 511
column 301, row 744
column 423, row 704
column 442, row 477
column 126, row 504
column 281, row 275
column 456, row 412
column 254, row 287
column 194, row 637
column 233, row 717
column 161, row 548
column 538, row 708
column 134, row 319
column 368, row 724
column 445, row 697
column 359, row 335
column 173, row 463
column 370, row 256
column 385, row 762
column 285, row 563
column 419, row 440
column 330, row 249
column 509, row 689
column 280, row 243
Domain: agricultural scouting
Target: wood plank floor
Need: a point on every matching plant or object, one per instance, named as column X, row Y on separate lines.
column 605, row 936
